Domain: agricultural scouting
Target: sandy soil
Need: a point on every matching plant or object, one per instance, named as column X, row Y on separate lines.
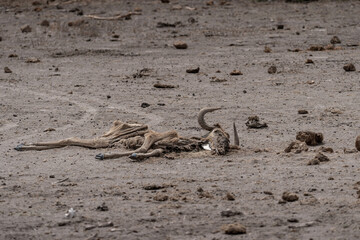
column 89, row 75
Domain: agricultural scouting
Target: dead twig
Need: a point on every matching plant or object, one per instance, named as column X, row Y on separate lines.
column 61, row 181
column 118, row 17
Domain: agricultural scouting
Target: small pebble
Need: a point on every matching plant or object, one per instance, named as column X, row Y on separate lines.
column 335, row 40
column 357, row 143
column 145, row 105
column 267, row 49
column 302, row 111
column 180, row 45
column 290, row 197
column 349, row 67
column 26, row 29
column 193, row 70
column 234, row 229
column 272, row 70
column 230, row 196
column 7, row 70
column 45, row 23
column 236, row 73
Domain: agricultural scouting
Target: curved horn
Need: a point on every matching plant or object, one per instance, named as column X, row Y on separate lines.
column 201, row 120
column 236, row 136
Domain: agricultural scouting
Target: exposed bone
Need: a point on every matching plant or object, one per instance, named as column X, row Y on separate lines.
column 118, row 17
column 144, row 143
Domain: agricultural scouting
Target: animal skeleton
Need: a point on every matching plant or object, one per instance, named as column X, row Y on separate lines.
column 147, row 143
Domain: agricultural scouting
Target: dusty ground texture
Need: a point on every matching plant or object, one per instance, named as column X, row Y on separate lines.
column 89, row 75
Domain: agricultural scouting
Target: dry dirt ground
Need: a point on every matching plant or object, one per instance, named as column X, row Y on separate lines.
column 76, row 75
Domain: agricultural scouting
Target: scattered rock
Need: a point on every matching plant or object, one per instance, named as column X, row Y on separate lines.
column 77, row 23
column 7, row 70
column 318, row 159
column 280, row 26
column 316, row 48
column 36, row 3
column 49, row 130
column 160, row 85
column 45, row 23
column 314, row 161
column 348, row 151
column 294, row 50
column 267, row 49
column 142, row 73
column 210, row 3
column 335, row 40
column 26, row 29
column 290, row 197
column 32, row 60
column 161, row 198
column 233, row 229
column 272, row 70
column 310, row 138
column 297, row 147
column 180, row 45
column 357, row 143
column 293, row 220
column 229, row 213
column 164, row 24
column 254, row 122
column 327, row 149
column 193, row 70
column 13, row 55
column 102, row 208
column 349, row 67
column 309, row 200
column 0, row 39
column 165, row 1
column 302, row 111
column 236, row 73
column 230, row 197
column 309, row 61
column 145, row 105
column 332, row 47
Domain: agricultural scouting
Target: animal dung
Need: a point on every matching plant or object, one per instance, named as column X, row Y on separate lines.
column 310, row 138
column 357, row 143
column 161, row 85
column 254, row 122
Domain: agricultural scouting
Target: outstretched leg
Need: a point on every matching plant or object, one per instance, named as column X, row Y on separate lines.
column 89, row 143
column 150, row 138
